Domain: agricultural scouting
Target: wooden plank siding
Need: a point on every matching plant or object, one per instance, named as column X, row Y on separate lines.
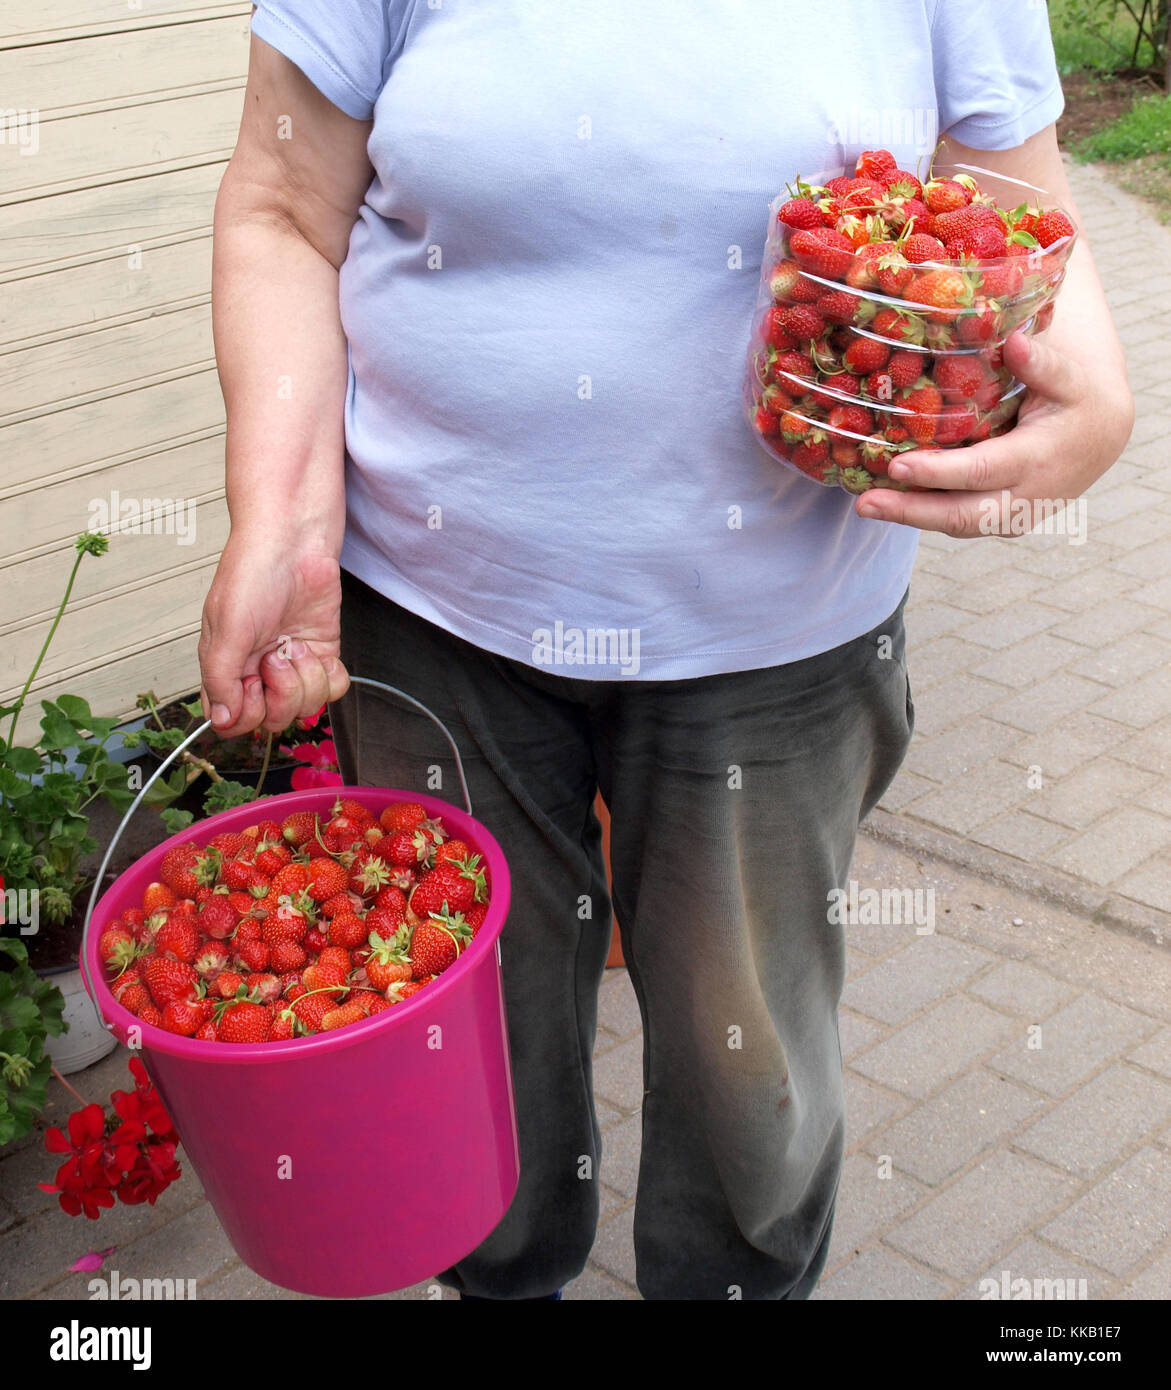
column 108, row 390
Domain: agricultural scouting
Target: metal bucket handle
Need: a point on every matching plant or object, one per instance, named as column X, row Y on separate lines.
column 182, row 747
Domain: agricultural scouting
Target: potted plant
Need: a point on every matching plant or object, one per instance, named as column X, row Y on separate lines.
column 30, row 1013
column 46, row 792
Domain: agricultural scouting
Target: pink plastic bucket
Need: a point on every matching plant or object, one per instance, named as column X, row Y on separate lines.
column 356, row 1162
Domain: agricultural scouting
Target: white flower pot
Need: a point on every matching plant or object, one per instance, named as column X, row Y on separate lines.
column 85, row 1040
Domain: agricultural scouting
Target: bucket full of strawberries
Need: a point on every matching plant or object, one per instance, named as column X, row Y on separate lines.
column 884, row 305
column 313, row 983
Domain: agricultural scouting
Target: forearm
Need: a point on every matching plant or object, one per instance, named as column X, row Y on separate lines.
column 281, row 357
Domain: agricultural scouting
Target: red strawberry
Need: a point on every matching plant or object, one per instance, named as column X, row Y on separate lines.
column 254, row 954
column 347, row 930
column 169, row 980
column 212, row 959
column 264, row 987
column 184, row 1016
column 927, row 404
column 944, row 291
column 244, row 1023
column 272, row 855
column 406, row 848
column 310, row 1009
column 852, row 419
column 799, row 213
column 157, row 896
column 178, row 870
column 149, row 1013
column 228, row 984
column 475, row 915
column 397, row 993
column 875, row 164
column 836, row 306
column 802, row 321
column 353, row 810
column 327, row 978
column 326, row 877
column 436, row 942
column 299, row 828
column 945, row 195
column 388, row 961
column 822, row 251
column 765, row 422
column 134, row 997
column 402, row 815
column 1051, row 226
column 117, row 949
column 368, row 873
column 960, row 377
column 285, row 956
column 342, row 1017
column 866, row 355
column 229, row 842
column 207, row 1032
column 178, row 938
column 340, row 902
column 284, row 1026
column 986, row 242
column 217, row 917
column 921, row 247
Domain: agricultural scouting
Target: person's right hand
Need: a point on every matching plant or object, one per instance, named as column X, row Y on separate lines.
column 269, row 647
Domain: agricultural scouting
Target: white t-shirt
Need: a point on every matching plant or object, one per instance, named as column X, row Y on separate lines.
column 548, row 297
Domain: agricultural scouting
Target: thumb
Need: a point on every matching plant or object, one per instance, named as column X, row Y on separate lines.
column 1044, row 370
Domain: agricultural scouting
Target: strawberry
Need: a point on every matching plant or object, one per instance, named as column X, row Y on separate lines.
column 875, row 164
column 117, row 949
column 945, row 195
column 397, row 993
column 178, row 870
column 285, row 956
column 228, row 984
column 157, row 896
column 1051, row 227
column 185, row 1017
column 956, row 422
column 822, row 251
column 237, row 874
column 217, row 918
column 212, row 960
column 254, row 954
column 340, row 902
column 134, row 917
column 960, row 377
column 353, row 810
column 944, row 291
column 475, row 915
column 901, row 184
column 909, row 214
column 323, row 978
column 950, row 225
column 986, row 242
column 230, row 843
column 314, row 941
column 406, row 848
column 802, row 321
column 921, row 247
column 207, row 1032
column 927, row 403
column 388, row 961
column 799, row 213
column 836, row 306
column 810, row 457
column 436, row 942
column 347, row 930
column 244, row 1022
column 169, row 980
column 765, row 422
column 866, row 355
column 284, row 1026
column 134, row 997
column 149, row 1013
column 310, row 1009
column 368, row 873
column 852, row 419
column 343, row 1016
column 179, row 938
column 263, row 987
column 324, row 879
column 299, row 828
column 272, row 855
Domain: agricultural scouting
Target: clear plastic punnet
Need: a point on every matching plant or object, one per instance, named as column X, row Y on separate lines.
column 880, row 324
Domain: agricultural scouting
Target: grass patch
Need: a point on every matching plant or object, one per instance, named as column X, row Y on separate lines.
column 1143, row 130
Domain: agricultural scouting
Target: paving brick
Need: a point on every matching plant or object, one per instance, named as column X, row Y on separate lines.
column 1113, row 846
column 1019, row 669
column 1154, row 1054
column 958, row 698
column 1149, row 884
column 1114, row 1224
column 1001, row 588
column 1149, row 749
column 1118, row 967
column 1046, row 703
column 974, row 798
column 613, row 1250
column 948, row 755
column 931, row 587
column 1152, row 561
column 1075, row 1042
column 1076, row 741
column 933, row 1049
column 593, row 1285
column 1114, row 503
column 906, row 788
column 618, row 1075
column 1026, row 837
column 880, row 1274
column 618, row 1005
column 21, row 1171
column 1125, row 661
column 908, row 981
column 1105, row 614
column 964, row 1228
column 1084, row 796
column 1139, row 704
column 942, row 658
column 878, row 939
column 240, row 1282
column 868, row 1108
column 608, row 1116
column 1053, row 559
column 856, row 1032
column 621, row 1149
column 944, row 1134
column 1022, row 990
column 867, row 1205
column 1041, row 1265
column 1153, row 1283
column 1006, row 629
column 1157, row 797
column 1154, row 595
column 931, row 619
column 1099, row 1123
column 1140, row 530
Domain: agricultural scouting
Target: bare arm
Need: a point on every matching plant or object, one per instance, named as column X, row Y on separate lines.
column 283, row 217
column 1079, row 413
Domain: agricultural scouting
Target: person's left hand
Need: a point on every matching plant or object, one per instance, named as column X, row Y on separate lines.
column 1071, row 428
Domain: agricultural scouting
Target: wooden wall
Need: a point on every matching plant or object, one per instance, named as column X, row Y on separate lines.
column 107, row 378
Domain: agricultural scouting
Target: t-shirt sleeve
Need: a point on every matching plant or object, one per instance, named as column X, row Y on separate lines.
column 996, row 80
column 341, row 46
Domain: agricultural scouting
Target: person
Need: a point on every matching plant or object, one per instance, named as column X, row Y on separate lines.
column 483, row 280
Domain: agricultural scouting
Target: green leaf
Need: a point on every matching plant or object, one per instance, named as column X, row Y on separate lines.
column 57, row 732
column 76, row 710
column 176, row 820
column 222, row 796
column 163, row 739
column 26, row 760
column 194, row 708
column 12, row 786
column 15, row 948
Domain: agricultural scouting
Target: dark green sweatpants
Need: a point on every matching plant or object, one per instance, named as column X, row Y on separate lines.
column 735, row 800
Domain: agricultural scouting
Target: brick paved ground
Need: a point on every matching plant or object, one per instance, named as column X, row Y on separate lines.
column 1009, row 1075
